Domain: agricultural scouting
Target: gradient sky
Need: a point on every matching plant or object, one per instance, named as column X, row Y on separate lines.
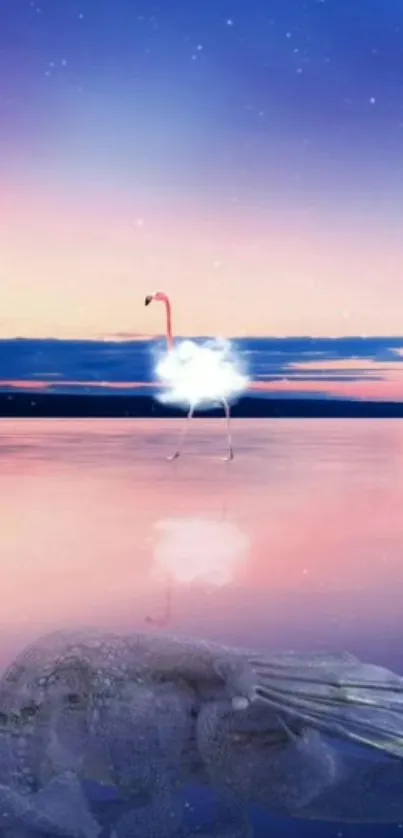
column 245, row 155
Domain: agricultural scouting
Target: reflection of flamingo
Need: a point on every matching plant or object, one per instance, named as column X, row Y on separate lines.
column 199, row 374
column 166, row 616
column 223, row 540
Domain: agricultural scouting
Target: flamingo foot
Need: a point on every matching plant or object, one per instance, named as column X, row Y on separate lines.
column 173, row 456
column 229, row 457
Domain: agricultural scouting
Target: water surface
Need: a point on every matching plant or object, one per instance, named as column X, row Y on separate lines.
column 297, row 543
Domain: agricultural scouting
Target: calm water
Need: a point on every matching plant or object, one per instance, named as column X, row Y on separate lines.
column 296, row 544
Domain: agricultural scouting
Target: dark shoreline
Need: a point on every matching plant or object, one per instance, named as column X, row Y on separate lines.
column 80, row 406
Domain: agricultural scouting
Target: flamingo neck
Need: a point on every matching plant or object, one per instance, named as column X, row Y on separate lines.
column 168, row 313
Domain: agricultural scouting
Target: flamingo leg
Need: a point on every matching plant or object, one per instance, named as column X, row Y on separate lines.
column 227, row 411
column 183, row 435
column 165, row 619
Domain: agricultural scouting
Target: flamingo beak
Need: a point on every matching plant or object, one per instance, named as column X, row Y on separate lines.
column 148, row 300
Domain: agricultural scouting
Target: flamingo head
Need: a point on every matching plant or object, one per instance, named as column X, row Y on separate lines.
column 156, row 295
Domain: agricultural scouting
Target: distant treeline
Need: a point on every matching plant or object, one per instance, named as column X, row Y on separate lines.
column 60, row 405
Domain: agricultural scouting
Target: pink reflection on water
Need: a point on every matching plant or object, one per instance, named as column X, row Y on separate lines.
column 199, row 549
column 309, row 516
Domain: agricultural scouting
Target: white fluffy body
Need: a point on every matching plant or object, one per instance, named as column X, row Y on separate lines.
column 199, row 549
column 201, row 374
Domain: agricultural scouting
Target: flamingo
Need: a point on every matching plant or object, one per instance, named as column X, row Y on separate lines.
column 198, row 374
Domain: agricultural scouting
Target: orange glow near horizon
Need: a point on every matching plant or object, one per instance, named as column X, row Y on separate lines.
column 79, row 267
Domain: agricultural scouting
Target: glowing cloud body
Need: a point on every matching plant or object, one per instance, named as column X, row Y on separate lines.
column 201, row 374
column 199, row 550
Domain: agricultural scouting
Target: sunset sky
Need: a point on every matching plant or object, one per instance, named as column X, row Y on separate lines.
column 244, row 155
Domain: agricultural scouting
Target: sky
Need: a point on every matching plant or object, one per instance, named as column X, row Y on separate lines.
column 336, row 368
column 243, row 155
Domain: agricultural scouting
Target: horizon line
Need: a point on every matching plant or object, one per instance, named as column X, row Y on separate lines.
column 147, row 338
